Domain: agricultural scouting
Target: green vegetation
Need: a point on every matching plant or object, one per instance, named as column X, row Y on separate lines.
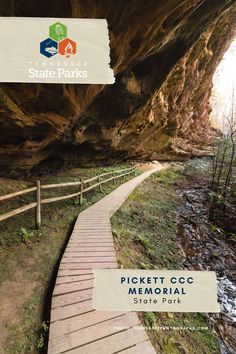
column 146, row 237
column 144, row 228
column 29, row 259
column 11, row 229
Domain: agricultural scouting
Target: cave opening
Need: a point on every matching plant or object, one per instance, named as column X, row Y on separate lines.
column 223, row 96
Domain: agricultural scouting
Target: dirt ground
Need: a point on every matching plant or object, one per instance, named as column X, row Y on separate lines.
column 150, row 165
column 13, row 295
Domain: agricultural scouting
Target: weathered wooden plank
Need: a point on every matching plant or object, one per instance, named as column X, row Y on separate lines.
column 88, row 259
column 57, row 199
column 89, row 253
column 90, row 265
column 92, row 235
column 71, row 298
column 17, row 211
column 88, row 248
column 72, row 272
column 85, row 223
column 15, row 194
column 94, row 229
column 92, row 333
column 116, row 343
column 92, row 217
column 96, row 241
column 64, row 184
column 91, row 221
column 38, row 205
column 94, row 224
column 75, row 323
column 90, row 239
column 91, row 242
column 70, row 287
column 63, row 312
column 86, row 214
column 71, row 279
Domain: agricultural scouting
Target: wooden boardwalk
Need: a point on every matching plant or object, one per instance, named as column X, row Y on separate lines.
column 75, row 327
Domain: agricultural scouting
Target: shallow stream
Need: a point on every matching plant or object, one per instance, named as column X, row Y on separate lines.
column 206, row 247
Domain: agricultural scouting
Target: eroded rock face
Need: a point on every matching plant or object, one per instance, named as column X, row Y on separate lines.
column 164, row 54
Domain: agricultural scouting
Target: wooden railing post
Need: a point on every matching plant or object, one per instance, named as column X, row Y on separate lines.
column 38, row 205
column 81, row 192
column 100, row 186
column 38, row 187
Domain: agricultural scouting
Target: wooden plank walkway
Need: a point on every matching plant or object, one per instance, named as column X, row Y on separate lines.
column 75, row 326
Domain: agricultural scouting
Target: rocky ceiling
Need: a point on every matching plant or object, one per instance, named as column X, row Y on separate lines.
column 164, row 54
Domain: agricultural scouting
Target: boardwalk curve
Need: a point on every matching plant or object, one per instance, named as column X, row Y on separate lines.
column 74, row 326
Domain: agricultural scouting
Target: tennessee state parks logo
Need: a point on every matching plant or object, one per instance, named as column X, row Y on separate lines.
column 58, row 42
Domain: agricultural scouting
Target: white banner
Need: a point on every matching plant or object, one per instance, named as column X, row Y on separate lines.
column 155, row 290
column 54, row 50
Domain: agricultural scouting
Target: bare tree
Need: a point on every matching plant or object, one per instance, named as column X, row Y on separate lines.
column 224, row 160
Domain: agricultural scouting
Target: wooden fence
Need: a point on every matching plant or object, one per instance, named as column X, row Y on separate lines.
column 84, row 186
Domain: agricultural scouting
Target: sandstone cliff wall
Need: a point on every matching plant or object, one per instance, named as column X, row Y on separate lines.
column 164, row 54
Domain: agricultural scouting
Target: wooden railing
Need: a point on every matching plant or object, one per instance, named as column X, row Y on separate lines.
column 84, row 186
